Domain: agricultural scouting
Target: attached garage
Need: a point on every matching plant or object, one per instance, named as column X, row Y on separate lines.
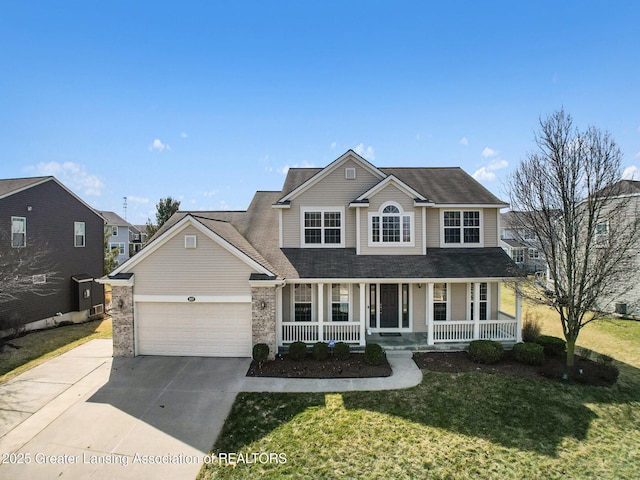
column 193, row 329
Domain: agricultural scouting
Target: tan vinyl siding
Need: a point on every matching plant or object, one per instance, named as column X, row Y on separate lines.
column 332, row 191
column 355, row 302
column 208, row 269
column 390, row 193
column 458, row 301
column 433, row 228
column 419, row 307
column 287, row 291
column 493, row 296
column 490, row 219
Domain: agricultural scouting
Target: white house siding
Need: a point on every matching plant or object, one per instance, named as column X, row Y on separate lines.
column 208, row 269
column 390, row 193
column 332, row 191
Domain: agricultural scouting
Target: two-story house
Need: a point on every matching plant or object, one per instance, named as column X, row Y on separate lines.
column 51, row 250
column 348, row 252
column 520, row 243
column 118, row 231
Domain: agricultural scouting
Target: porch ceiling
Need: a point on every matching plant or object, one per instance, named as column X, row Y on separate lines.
column 437, row 263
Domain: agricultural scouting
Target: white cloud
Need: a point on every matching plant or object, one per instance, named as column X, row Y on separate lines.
column 368, row 153
column 631, row 173
column 333, row 144
column 135, row 199
column 72, row 175
column 464, row 141
column 284, row 170
column 158, row 146
column 489, row 152
column 486, row 174
column 183, row 135
column 210, row 193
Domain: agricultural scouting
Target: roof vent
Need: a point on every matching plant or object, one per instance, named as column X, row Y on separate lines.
column 350, row 173
column 189, row 241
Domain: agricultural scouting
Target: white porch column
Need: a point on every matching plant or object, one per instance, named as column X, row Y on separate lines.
column 476, row 311
column 320, row 312
column 430, row 314
column 363, row 315
column 518, row 314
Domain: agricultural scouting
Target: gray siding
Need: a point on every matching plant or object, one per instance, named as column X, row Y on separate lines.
column 208, row 269
column 121, row 237
column 491, row 235
column 332, row 191
column 50, row 224
column 390, row 193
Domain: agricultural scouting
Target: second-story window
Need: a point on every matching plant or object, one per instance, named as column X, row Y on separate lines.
column 79, row 234
column 114, row 230
column 462, row 227
column 18, row 232
column 391, row 226
column 322, row 227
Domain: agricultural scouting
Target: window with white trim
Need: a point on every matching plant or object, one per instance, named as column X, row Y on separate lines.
column 340, row 302
column 119, row 246
column 462, row 227
column 534, row 253
column 440, row 302
column 322, row 227
column 482, row 300
column 602, row 228
column 79, row 234
column 18, row 232
column 302, row 302
column 114, row 231
column 518, row 255
column 391, row 226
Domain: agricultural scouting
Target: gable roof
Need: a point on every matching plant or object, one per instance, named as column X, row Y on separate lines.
column 391, row 179
column 11, row 186
column 321, row 173
column 113, row 218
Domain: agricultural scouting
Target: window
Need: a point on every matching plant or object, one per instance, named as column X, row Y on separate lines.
column 303, row 295
column 391, row 226
column 462, row 227
column 529, row 234
column 534, row 254
column 439, row 302
column 482, row 301
column 322, row 227
column 518, row 255
column 340, row 302
column 602, row 228
column 119, row 246
column 114, row 230
column 79, row 234
column 18, row 232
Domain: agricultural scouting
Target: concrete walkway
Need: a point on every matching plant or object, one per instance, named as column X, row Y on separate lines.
column 85, row 414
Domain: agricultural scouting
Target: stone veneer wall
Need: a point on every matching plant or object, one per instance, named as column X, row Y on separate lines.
column 263, row 319
column 122, row 315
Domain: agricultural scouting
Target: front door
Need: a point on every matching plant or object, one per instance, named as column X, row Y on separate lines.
column 388, row 305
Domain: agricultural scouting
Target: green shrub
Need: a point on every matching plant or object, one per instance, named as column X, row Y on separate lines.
column 374, row 354
column 298, row 350
column 320, row 351
column 485, row 351
column 531, row 328
column 529, row 353
column 260, row 352
column 553, row 346
column 341, row 350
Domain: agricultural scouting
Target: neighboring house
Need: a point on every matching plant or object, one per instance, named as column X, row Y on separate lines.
column 137, row 238
column 59, row 240
column 343, row 253
column 119, row 232
column 521, row 243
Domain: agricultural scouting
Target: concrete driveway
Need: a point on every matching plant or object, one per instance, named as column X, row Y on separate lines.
column 87, row 415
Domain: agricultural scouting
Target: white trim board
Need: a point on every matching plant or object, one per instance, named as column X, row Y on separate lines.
column 196, row 298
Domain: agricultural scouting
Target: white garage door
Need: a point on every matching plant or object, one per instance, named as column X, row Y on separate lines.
column 194, row 329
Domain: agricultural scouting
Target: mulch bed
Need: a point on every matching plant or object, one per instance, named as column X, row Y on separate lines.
column 584, row 371
column 353, row 367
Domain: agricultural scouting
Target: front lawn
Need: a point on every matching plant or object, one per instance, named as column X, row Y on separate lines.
column 37, row 347
column 452, row 425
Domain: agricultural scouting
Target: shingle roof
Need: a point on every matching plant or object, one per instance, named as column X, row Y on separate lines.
column 438, row 263
column 113, row 218
column 12, row 185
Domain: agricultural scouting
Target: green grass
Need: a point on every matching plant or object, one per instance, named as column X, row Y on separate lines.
column 471, row 425
column 38, row 347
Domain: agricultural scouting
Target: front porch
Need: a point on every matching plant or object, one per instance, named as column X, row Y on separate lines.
column 411, row 315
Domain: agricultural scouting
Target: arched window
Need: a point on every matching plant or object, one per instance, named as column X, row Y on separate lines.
column 391, row 226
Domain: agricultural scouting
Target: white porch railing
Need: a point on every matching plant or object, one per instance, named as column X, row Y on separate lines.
column 453, row 331
column 498, row 330
column 463, row 331
column 348, row 332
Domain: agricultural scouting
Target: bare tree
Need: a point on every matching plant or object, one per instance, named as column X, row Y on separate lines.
column 569, row 193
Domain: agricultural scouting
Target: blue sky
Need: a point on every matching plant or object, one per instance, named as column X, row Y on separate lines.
column 210, row 101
